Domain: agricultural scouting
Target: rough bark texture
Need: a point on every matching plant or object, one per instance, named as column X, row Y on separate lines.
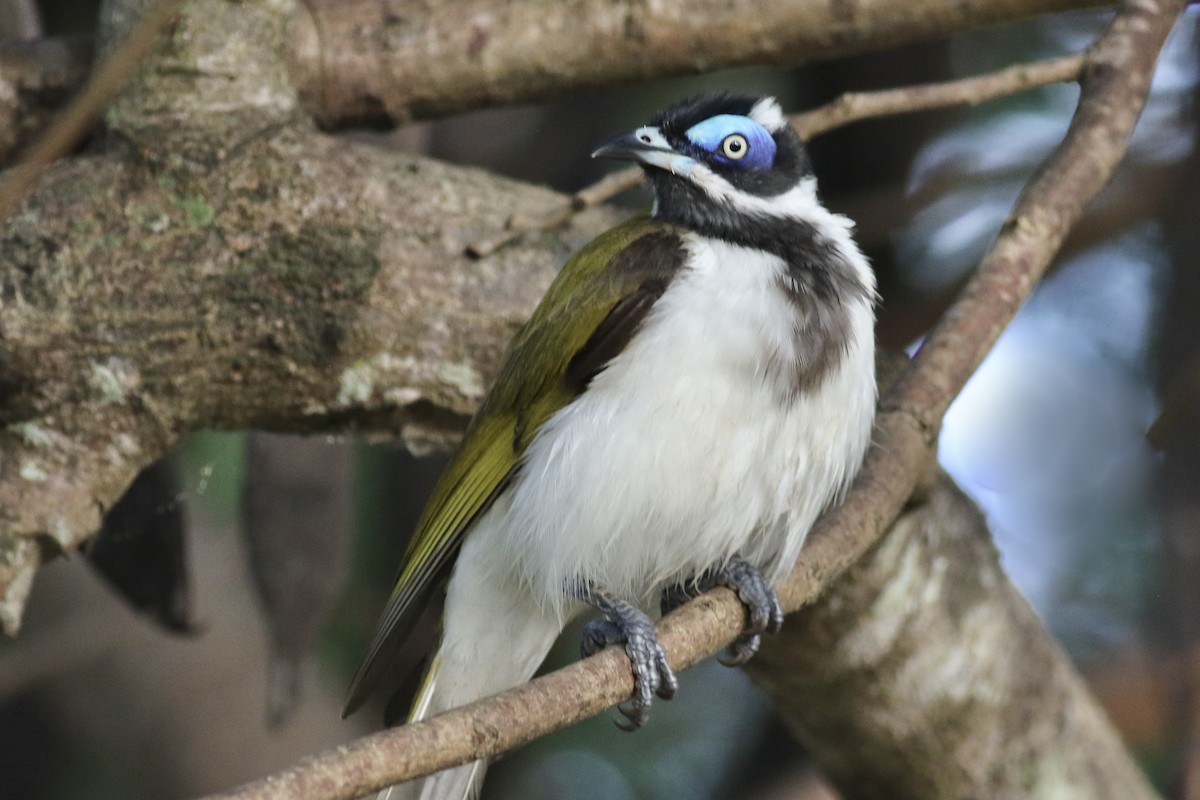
column 242, row 270
column 300, row 284
column 395, row 60
column 924, row 656
column 363, row 61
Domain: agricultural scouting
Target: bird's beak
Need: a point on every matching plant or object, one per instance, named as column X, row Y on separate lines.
column 649, row 146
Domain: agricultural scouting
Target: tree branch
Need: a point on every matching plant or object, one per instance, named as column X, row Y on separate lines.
column 284, row 279
column 85, row 108
column 1115, row 83
column 927, row 659
column 303, row 284
column 857, row 106
column 364, row 63
column 357, row 62
column 36, row 78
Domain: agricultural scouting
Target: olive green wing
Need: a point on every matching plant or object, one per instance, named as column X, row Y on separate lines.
column 588, row 315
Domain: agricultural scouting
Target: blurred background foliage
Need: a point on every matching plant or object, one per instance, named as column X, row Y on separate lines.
column 1076, row 437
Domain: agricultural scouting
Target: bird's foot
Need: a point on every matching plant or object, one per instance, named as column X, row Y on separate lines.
column 763, row 612
column 652, row 675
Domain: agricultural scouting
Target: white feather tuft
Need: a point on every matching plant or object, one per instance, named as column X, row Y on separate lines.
column 766, row 112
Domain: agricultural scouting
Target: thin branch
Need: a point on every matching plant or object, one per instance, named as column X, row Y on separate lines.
column 1114, row 87
column 68, row 130
column 848, row 108
column 856, row 106
column 36, row 78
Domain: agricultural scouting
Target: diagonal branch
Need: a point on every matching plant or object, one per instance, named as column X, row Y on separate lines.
column 1115, row 83
column 81, row 113
column 35, row 79
column 857, row 106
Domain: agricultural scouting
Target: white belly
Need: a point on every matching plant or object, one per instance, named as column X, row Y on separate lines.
column 686, row 449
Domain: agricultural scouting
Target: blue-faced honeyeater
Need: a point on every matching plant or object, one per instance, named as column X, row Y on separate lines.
column 695, row 387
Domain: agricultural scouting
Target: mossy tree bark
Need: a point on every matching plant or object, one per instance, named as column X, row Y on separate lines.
column 221, row 263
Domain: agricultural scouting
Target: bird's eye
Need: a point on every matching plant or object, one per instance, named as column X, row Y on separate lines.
column 734, row 147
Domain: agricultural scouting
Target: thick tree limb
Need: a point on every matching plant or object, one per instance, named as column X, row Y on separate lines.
column 230, row 273
column 1114, row 88
column 303, row 284
column 372, row 61
column 365, row 62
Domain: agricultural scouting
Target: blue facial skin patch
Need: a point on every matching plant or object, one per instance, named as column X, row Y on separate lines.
column 710, row 133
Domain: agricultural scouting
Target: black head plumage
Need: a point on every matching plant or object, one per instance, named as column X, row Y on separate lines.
column 790, row 164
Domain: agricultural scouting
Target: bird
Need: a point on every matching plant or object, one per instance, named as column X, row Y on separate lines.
column 696, row 386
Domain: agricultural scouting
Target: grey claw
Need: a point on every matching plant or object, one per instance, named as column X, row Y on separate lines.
column 762, row 604
column 742, row 650
column 635, row 716
column 652, row 675
column 763, row 611
column 597, row 635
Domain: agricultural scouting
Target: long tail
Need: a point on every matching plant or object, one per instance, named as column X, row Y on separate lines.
column 494, row 637
column 458, row 783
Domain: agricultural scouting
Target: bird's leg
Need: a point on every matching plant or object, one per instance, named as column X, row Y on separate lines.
column 764, row 614
column 627, row 624
column 677, row 594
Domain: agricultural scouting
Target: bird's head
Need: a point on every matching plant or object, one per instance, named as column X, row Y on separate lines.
column 718, row 159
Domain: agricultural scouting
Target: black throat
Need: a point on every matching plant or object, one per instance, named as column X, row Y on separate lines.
column 814, row 262
column 819, row 282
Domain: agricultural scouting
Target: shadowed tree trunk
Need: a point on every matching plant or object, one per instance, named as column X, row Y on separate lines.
column 1178, row 434
column 923, row 674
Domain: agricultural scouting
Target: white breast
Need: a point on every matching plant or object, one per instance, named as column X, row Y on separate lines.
column 683, row 451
